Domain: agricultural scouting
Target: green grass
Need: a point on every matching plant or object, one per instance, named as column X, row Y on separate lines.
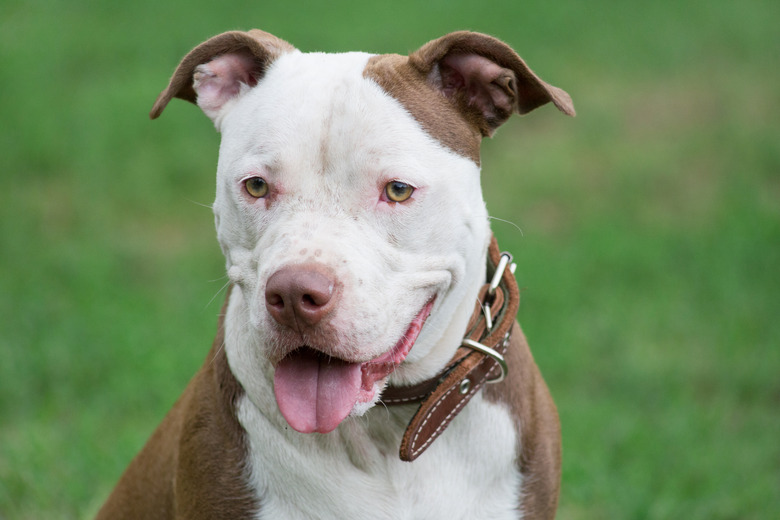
column 649, row 253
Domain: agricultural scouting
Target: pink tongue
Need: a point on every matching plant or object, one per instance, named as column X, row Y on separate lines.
column 315, row 393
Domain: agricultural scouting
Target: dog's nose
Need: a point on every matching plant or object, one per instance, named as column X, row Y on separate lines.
column 300, row 296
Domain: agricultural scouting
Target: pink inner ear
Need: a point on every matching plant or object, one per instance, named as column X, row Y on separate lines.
column 476, row 77
column 220, row 80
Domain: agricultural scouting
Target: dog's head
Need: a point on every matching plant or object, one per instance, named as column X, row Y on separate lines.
column 349, row 206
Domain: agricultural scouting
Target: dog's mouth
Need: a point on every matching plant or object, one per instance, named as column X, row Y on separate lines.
column 315, row 392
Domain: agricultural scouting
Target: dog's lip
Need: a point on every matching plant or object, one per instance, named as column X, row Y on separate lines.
column 398, row 353
column 394, row 356
column 382, row 366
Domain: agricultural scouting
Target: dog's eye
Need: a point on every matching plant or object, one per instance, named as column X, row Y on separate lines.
column 398, row 191
column 256, row 187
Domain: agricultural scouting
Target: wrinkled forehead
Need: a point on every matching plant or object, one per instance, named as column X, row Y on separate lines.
column 348, row 101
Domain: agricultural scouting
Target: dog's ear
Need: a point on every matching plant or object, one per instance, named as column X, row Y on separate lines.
column 485, row 79
column 220, row 69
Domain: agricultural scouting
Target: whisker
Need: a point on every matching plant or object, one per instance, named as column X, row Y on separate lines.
column 507, row 222
column 208, row 206
column 224, row 342
column 217, row 293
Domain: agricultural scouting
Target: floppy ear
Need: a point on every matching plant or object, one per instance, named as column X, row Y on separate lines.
column 220, row 69
column 485, row 79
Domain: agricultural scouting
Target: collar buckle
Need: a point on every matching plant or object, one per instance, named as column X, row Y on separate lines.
column 479, row 347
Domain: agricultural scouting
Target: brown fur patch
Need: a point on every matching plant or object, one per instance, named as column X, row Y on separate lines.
column 193, row 466
column 439, row 117
column 539, row 432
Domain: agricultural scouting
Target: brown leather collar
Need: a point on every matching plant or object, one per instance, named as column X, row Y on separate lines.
column 478, row 361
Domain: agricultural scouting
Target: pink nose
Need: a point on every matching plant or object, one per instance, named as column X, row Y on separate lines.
column 300, row 296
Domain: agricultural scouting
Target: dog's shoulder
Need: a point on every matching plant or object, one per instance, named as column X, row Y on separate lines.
column 536, row 419
column 198, row 452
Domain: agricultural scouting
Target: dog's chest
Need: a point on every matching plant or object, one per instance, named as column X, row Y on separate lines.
column 355, row 473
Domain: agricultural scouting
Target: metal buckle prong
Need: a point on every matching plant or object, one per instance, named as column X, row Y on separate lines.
column 488, row 317
column 479, row 347
column 505, row 259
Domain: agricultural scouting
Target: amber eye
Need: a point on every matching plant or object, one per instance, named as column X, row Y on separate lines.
column 398, row 191
column 256, row 187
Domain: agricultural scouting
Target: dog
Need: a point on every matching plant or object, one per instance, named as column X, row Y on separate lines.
column 367, row 362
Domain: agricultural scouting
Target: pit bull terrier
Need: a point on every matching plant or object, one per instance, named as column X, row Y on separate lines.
column 367, row 363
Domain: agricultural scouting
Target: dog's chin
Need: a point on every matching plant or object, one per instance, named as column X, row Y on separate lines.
column 315, row 392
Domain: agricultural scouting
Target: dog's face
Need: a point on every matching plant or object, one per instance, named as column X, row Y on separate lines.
column 324, row 175
column 349, row 208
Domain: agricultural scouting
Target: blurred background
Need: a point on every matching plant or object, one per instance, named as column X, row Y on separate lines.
column 646, row 231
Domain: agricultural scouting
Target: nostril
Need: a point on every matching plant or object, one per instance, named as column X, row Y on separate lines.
column 308, row 301
column 316, row 295
column 274, row 299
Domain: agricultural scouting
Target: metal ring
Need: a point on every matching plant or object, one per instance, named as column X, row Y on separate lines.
column 479, row 347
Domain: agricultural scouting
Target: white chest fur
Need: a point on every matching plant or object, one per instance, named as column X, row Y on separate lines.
column 354, row 472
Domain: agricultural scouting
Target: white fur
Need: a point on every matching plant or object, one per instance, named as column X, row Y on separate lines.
column 354, row 472
column 327, row 141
